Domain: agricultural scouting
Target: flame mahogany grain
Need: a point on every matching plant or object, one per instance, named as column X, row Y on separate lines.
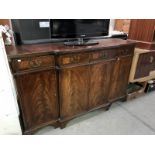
column 70, row 82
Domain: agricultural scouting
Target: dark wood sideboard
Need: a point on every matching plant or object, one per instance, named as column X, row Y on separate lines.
column 56, row 83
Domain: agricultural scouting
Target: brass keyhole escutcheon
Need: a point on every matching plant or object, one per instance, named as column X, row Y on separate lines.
column 151, row 59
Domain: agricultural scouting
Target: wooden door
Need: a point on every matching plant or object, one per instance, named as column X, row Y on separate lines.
column 74, row 87
column 120, row 77
column 38, row 98
column 100, row 79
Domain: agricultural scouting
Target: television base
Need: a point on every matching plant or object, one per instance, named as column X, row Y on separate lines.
column 78, row 43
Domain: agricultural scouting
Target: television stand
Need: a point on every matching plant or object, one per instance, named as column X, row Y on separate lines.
column 80, row 42
column 77, row 78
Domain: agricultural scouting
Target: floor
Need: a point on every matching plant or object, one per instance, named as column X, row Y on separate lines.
column 135, row 117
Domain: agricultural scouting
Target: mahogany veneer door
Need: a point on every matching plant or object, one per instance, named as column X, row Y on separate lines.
column 119, row 80
column 100, row 76
column 74, row 86
column 38, row 98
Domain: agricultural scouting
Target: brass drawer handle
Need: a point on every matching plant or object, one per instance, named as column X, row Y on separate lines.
column 35, row 63
column 19, row 60
column 75, row 59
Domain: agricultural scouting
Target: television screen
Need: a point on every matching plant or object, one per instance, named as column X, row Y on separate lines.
column 74, row 28
column 29, row 31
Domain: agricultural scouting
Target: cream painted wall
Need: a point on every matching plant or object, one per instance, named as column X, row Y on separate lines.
column 9, row 121
column 112, row 24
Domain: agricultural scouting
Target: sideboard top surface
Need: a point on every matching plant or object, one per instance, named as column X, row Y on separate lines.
column 59, row 48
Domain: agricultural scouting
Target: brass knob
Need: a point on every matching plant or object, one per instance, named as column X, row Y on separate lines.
column 117, row 59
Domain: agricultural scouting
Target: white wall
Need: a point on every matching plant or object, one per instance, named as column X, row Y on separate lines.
column 9, row 121
column 112, row 24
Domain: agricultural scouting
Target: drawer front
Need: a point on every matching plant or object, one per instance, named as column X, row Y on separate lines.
column 125, row 52
column 73, row 59
column 110, row 54
column 99, row 55
column 146, row 64
column 22, row 64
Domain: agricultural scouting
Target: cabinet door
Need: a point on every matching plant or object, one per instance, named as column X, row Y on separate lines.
column 145, row 65
column 120, row 78
column 38, row 98
column 74, row 86
column 100, row 79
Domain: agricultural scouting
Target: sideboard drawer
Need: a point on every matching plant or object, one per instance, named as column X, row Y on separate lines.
column 22, row 64
column 110, row 54
column 124, row 52
column 100, row 55
column 72, row 59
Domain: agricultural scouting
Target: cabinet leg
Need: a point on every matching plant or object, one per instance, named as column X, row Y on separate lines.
column 56, row 125
column 29, row 132
column 108, row 107
column 63, row 124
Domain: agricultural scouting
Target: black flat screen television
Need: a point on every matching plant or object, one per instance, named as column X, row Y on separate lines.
column 75, row 28
column 29, row 31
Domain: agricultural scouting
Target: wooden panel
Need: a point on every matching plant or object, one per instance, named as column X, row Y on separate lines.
column 74, row 86
column 111, row 53
column 145, row 64
column 72, row 59
column 120, row 78
column 144, row 72
column 22, row 64
column 102, row 55
column 38, row 100
column 142, row 30
column 100, row 78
